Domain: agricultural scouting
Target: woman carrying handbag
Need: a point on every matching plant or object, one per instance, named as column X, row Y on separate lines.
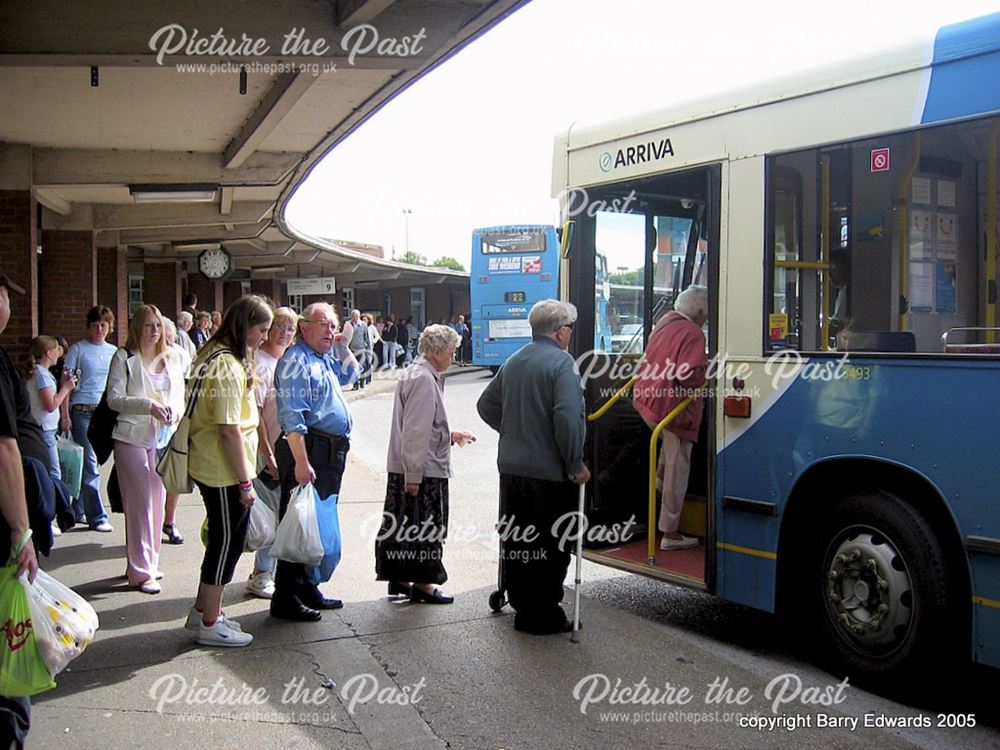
column 146, row 388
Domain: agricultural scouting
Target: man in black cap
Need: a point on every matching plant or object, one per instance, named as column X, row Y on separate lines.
column 15, row 534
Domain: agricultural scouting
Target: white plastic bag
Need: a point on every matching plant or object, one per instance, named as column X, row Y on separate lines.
column 260, row 528
column 63, row 621
column 298, row 539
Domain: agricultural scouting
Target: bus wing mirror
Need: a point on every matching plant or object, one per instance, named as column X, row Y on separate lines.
column 566, row 232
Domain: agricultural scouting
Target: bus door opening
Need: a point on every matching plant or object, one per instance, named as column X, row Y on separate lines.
column 627, row 270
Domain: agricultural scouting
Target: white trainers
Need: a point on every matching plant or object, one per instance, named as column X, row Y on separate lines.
column 685, row 542
column 56, row 531
column 222, row 634
column 194, row 619
column 104, row 527
column 261, row 585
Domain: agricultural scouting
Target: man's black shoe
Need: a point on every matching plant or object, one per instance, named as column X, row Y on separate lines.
column 293, row 609
column 316, row 600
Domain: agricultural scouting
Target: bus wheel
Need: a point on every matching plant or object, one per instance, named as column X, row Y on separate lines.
column 883, row 588
column 494, row 369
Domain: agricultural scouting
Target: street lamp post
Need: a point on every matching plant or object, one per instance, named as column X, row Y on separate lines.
column 406, row 220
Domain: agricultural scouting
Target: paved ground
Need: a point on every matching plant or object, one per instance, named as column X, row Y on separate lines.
column 396, row 675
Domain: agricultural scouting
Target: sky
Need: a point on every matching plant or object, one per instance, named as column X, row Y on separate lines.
column 470, row 144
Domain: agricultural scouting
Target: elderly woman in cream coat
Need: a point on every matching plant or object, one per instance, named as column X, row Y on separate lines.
column 409, row 546
column 146, row 388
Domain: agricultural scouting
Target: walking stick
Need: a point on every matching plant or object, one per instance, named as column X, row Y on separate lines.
column 575, row 637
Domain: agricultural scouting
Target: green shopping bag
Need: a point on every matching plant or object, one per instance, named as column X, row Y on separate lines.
column 22, row 670
column 70, row 464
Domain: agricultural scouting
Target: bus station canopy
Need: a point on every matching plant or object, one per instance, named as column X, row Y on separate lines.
column 172, row 127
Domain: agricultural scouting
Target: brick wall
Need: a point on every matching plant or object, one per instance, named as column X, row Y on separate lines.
column 161, row 286
column 19, row 260
column 209, row 293
column 67, row 282
column 112, row 287
column 232, row 291
column 270, row 288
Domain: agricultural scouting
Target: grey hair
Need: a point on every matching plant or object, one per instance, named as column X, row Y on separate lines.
column 185, row 317
column 438, row 338
column 168, row 324
column 310, row 309
column 693, row 302
column 549, row 315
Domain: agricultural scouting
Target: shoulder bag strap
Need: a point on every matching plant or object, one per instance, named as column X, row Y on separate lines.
column 199, row 376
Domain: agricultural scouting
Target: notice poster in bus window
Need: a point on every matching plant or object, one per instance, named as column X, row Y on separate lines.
column 870, row 226
column 944, row 288
column 531, row 264
column 920, row 234
column 513, row 240
column 509, row 329
column 920, row 191
column 946, row 227
column 777, row 324
column 945, row 194
column 921, row 287
column 504, row 264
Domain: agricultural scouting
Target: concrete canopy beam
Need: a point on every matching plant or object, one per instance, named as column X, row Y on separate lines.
column 287, row 89
column 206, row 234
column 82, row 167
column 154, row 215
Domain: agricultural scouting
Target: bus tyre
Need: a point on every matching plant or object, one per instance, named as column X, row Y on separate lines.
column 883, row 591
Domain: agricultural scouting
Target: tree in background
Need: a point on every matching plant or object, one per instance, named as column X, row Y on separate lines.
column 446, row 262
column 413, row 258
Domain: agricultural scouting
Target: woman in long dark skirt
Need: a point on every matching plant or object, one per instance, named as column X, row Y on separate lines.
column 409, row 547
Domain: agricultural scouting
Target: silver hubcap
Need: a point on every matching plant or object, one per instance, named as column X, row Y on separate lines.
column 869, row 592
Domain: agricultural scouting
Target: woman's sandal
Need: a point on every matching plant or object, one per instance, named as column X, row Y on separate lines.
column 173, row 535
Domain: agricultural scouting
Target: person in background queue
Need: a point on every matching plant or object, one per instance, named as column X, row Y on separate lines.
column 16, row 546
column 389, row 343
column 174, row 337
column 200, row 333
column 410, row 544
column 223, row 457
column 191, row 305
column 279, row 338
column 462, row 330
column 185, row 322
column 146, row 388
column 47, row 397
column 536, row 404
column 89, row 359
column 359, row 342
column 374, row 337
column 673, row 365
column 317, row 423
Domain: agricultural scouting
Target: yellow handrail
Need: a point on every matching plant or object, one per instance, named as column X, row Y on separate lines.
column 674, row 413
column 611, row 401
column 651, row 519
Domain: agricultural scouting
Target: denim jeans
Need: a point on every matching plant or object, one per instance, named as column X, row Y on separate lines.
column 89, row 503
column 49, row 438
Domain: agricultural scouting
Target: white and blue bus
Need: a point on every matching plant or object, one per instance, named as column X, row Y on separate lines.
column 513, row 267
column 845, row 223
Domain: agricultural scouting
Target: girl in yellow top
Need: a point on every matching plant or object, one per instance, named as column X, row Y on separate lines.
column 222, row 457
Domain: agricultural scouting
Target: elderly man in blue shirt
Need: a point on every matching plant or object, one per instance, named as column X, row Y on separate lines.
column 316, row 423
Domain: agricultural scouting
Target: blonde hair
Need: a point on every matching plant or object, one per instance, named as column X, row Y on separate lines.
column 134, row 340
column 40, row 346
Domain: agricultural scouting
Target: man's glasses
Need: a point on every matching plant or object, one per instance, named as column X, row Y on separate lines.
column 569, row 325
